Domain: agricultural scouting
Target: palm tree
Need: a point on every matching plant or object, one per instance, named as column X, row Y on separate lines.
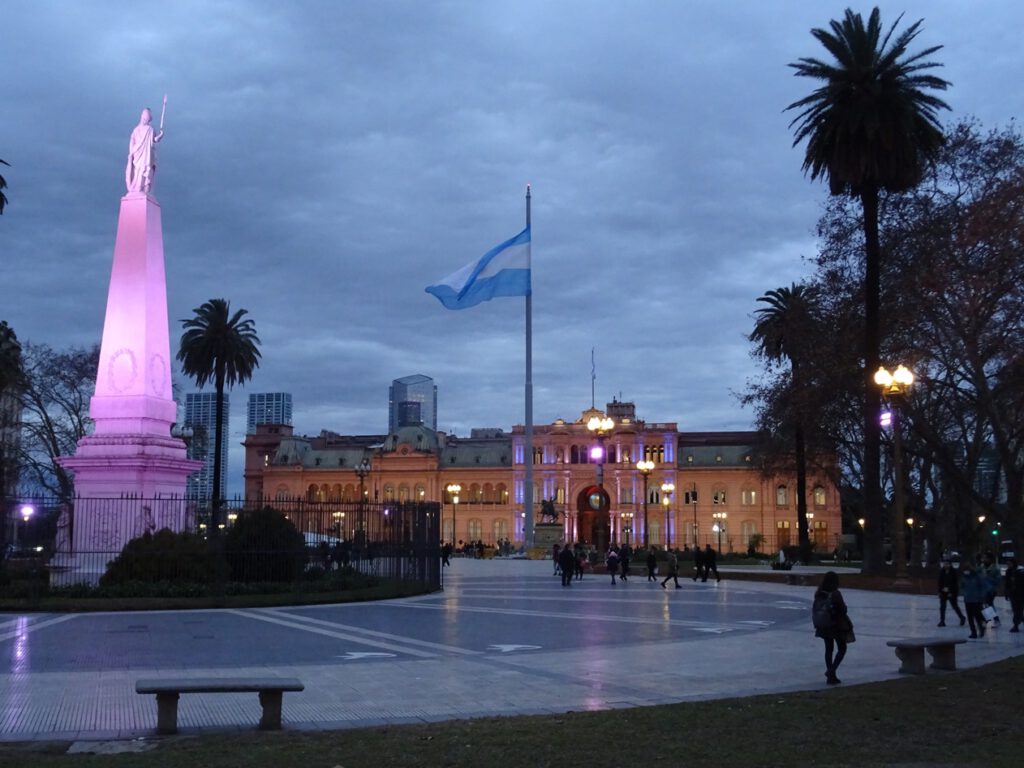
column 870, row 127
column 219, row 347
column 3, row 183
column 781, row 332
column 10, row 380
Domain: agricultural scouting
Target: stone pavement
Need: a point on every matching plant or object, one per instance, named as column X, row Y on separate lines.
column 503, row 638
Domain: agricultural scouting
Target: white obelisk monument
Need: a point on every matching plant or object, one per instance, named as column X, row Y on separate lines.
column 131, row 452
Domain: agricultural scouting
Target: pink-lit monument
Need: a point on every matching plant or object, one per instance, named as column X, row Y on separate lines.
column 131, row 457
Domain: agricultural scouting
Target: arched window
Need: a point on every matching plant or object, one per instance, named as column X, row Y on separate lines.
column 781, row 496
column 311, row 492
column 476, row 529
column 502, row 492
column 421, row 493
column 718, row 496
column 748, row 497
column 336, row 492
column 403, row 492
column 819, row 496
column 282, row 493
column 500, row 529
column 749, row 528
column 574, row 454
column 476, row 493
column 350, row 493
column 389, row 492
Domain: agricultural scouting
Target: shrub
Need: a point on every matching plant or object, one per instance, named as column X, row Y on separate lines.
column 163, row 556
column 263, row 545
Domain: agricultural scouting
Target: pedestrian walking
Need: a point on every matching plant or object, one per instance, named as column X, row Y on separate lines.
column 567, row 565
column 580, row 559
column 672, row 569
column 832, row 624
column 446, row 554
column 949, row 589
column 698, row 563
column 710, row 563
column 974, row 588
column 993, row 577
column 1013, row 589
column 625, row 555
column 652, row 565
column 612, row 561
column 555, row 551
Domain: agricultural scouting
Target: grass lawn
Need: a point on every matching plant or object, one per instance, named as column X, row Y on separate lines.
column 939, row 720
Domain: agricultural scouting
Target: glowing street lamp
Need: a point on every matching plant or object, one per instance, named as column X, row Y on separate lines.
column 667, row 489
column 453, row 492
column 719, row 526
column 645, row 468
column 895, row 387
column 600, row 426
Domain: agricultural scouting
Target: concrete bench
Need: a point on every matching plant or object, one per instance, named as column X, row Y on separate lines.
column 911, row 650
column 167, row 690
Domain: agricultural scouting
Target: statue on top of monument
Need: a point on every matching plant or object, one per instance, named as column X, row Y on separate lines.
column 141, row 168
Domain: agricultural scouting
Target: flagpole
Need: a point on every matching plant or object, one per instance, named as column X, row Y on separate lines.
column 528, row 453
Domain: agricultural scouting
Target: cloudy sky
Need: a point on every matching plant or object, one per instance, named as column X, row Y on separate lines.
column 325, row 161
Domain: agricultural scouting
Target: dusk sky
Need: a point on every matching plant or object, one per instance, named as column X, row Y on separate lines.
column 325, row 161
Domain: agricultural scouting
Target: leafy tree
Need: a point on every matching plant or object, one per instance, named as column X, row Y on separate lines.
column 870, row 127
column 221, row 348
column 782, row 331
column 54, row 398
column 3, row 185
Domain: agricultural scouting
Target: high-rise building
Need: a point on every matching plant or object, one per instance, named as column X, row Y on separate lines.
column 403, row 397
column 268, row 408
column 201, row 418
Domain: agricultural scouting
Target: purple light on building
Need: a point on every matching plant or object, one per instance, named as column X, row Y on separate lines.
column 596, row 453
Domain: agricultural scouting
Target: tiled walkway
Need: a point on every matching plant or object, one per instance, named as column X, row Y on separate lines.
column 503, row 638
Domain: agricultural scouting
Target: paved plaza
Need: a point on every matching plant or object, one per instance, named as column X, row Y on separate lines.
column 503, row 638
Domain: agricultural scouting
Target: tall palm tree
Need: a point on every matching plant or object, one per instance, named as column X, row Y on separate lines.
column 11, row 372
column 219, row 347
column 781, row 332
column 3, row 184
column 870, row 126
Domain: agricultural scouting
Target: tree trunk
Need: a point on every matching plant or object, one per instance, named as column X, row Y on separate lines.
column 215, row 500
column 872, row 492
column 803, row 532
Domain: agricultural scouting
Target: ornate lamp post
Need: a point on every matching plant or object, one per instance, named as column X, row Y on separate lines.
column 600, row 426
column 666, row 497
column 627, row 527
column 453, row 492
column 719, row 526
column 645, row 468
column 894, row 387
column 810, row 529
column 362, row 470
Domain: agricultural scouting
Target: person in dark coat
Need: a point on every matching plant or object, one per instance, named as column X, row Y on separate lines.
column 838, row 629
column 672, row 569
column 698, row 563
column 710, row 563
column 581, row 558
column 1013, row 588
column 625, row 554
column 612, row 561
column 567, row 564
column 446, row 554
column 949, row 589
column 652, row 564
column 974, row 587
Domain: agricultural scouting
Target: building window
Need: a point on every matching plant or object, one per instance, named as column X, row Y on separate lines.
column 782, row 533
column 748, row 497
column 500, row 529
column 476, row 529
column 626, row 496
column 718, row 496
column 690, row 497
column 781, row 496
column 819, row 496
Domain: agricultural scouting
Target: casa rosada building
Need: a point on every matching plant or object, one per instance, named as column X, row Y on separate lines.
column 700, row 488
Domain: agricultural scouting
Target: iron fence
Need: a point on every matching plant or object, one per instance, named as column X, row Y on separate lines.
column 76, row 540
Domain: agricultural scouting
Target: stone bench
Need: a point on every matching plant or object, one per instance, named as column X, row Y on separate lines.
column 911, row 650
column 167, row 690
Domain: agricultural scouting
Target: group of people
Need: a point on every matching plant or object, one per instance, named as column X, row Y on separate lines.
column 570, row 560
column 979, row 584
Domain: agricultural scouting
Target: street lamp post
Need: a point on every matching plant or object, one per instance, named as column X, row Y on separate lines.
column 810, row 530
column 362, row 470
column 666, row 494
column 645, row 468
column 719, row 527
column 627, row 527
column 453, row 492
column 600, row 426
column 894, row 387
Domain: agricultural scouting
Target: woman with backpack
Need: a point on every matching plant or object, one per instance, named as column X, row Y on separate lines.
column 831, row 624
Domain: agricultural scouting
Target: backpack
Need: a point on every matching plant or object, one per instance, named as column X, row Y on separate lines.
column 821, row 612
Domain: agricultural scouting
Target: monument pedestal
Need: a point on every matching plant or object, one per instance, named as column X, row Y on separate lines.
column 130, row 473
column 547, row 535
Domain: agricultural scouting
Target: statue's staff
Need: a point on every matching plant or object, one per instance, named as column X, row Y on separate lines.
column 162, row 111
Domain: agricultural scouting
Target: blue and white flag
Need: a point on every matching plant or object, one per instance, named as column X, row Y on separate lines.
column 502, row 271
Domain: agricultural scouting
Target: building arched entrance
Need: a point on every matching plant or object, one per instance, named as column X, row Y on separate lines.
column 592, row 505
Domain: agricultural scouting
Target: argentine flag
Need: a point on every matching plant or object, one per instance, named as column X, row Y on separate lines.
column 502, row 271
